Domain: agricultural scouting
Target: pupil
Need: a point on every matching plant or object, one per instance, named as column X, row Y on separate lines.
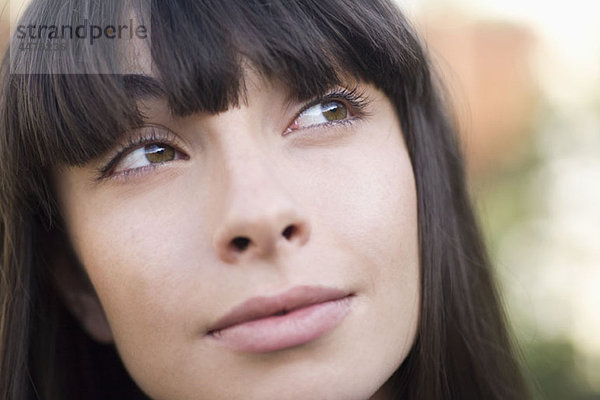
column 334, row 111
column 158, row 154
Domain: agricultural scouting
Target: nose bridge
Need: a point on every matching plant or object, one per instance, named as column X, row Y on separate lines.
column 259, row 215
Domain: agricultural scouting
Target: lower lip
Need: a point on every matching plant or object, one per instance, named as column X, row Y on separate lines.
column 296, row 328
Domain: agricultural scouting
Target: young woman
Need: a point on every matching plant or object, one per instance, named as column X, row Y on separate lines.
column 265, row 202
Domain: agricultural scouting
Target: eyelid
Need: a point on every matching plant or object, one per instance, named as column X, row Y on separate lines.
column 356, row 100
column 138, row 137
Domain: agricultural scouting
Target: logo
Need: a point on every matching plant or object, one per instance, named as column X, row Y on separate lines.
column 85, row 31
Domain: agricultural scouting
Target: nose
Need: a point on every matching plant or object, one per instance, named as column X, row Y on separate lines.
column 260, row 219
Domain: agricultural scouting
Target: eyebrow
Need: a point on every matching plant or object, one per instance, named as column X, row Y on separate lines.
column 142, row 87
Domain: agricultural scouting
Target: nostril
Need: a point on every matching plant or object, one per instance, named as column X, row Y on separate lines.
column 240, row 243
column 289, row 232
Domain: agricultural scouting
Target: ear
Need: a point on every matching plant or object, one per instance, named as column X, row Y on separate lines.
column 79, row 296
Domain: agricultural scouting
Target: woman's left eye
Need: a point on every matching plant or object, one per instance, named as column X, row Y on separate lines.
column 150, row 154
column 322, row 113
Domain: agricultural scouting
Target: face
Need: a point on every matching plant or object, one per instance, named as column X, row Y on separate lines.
column 266, row 252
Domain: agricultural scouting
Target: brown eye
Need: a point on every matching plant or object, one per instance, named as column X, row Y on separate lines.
column 322, row 113
column 159, row 153
column 334, row 111
column 150, row 154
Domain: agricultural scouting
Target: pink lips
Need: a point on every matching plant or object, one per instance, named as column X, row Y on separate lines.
column 298, row 316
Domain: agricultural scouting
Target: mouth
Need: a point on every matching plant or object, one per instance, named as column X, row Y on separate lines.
column 293, row 318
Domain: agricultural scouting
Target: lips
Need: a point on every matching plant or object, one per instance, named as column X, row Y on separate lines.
column 297, row 316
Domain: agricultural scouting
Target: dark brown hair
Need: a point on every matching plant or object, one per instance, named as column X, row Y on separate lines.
column 462, row 351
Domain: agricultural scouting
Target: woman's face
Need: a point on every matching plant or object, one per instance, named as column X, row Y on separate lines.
column 265, row 252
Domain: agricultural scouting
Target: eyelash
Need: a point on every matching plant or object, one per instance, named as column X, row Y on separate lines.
column 147, row 135
column 356, row 101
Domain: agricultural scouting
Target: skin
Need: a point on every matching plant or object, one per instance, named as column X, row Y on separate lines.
column 156, row 248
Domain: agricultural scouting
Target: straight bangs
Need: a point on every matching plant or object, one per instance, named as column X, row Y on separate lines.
column 199, row 51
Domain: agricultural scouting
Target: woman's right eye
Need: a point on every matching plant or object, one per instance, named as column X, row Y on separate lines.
column 148, row 155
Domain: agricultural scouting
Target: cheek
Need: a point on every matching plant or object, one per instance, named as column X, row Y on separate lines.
column 153, row 270
column 367, row 203
column 366, row 207
column 389, row 249
column 137, row 254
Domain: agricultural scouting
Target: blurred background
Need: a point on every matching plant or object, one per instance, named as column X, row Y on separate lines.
column 523, row 77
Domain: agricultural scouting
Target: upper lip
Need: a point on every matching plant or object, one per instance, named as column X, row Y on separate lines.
column 265, row 306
